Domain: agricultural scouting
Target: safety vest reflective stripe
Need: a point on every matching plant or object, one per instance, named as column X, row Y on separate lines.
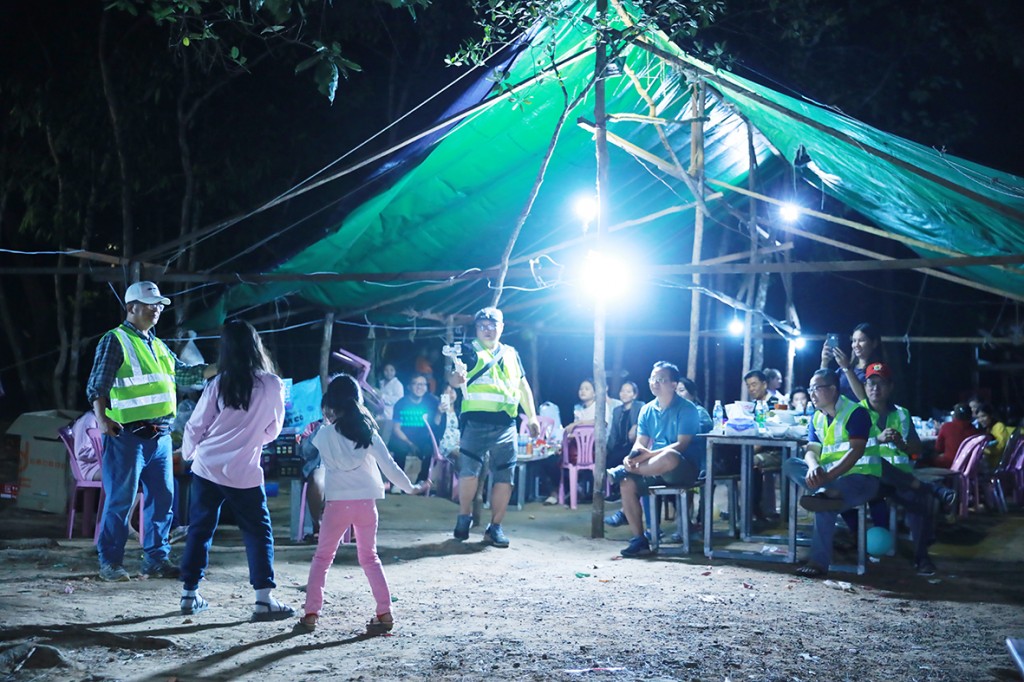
column 143, row 386
column 497, row 389
column 899, row 419
column 835, row 441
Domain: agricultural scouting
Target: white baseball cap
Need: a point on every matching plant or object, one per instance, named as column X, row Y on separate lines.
column 145, row 292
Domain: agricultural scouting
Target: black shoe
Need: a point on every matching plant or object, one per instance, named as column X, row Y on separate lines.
column 462, row 524
column 161, row 569
column 948, row 498
column 925, row 567
column 822, row 503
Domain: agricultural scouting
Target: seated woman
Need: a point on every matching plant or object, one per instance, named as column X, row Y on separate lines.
column 951, row 435
column 583, row 415
column 998, row 434
column 448, row 445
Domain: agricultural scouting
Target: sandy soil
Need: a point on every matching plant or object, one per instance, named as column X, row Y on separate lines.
column 556, row 605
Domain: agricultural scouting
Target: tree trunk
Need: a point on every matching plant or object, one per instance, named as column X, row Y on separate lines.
column 10, row 329
column 59, row 215
column 114, row 109
column 75, row 356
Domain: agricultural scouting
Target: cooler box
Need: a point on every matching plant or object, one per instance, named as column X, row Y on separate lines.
column 43, row 475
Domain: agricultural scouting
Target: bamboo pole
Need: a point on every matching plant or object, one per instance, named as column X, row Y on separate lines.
column 600, row 382
column 325, row 350
column 696, row 170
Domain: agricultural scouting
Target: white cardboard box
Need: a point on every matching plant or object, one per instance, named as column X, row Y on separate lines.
column 43, row 475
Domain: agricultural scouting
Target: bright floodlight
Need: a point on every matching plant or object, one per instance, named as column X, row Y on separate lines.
column 799, row 342
column 603, row 276
column 789, row 212
column 586, row 207
column 736, row 326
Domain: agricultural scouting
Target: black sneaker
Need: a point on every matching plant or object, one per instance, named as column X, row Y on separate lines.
column 616, row 474
column 114, row 574
column 822, row 503
column 616, row 519
column 495, row 535
column 638, row 546
column 948, row 498
column 462, row 524
column 161, row 569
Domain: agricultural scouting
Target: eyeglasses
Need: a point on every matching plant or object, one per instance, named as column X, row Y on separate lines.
column 420, row 384
column 660, row 380
column 815, row 389
column 487, row 326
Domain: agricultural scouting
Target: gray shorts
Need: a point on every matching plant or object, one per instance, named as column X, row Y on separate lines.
column 685, row 475
column 479, row 439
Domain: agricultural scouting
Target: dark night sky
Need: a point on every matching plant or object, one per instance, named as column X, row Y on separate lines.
column 274, row 121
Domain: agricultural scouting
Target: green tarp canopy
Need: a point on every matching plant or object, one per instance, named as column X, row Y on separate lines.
column 455, row 206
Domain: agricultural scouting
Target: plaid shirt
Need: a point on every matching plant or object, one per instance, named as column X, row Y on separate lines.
column 110, row 357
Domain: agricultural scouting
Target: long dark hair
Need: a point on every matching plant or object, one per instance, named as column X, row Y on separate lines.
column 868, row 330
column 241, row 355
column 343, row 404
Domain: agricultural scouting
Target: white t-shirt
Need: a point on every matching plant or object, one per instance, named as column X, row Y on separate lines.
column 352, row 473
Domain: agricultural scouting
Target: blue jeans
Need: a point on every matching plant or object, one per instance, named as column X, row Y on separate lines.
column 249, row 505
column 128, row 461
column 854, row 489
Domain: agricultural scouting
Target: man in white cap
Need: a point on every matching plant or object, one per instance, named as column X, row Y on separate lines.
column 494, row 389
column 132, row 391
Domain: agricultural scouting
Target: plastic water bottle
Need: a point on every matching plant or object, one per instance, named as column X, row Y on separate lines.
column 760, row 415
column 718, row 417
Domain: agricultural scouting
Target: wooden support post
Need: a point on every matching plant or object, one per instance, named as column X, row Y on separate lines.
column 325, row 350
column 696, row 170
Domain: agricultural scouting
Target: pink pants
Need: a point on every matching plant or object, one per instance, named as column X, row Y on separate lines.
column 338, row 516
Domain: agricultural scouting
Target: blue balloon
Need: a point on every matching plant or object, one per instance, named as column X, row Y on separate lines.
column 879, row 541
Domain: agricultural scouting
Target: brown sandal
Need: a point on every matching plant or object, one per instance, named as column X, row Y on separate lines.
column 382, row 622
column 308, row 621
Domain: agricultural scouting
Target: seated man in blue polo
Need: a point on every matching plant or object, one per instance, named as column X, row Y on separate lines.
column 662, row 454
column 835, row 467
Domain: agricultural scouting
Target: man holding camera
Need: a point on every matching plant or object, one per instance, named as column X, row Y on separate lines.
column 494, row 387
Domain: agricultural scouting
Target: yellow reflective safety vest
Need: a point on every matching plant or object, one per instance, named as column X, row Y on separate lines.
column 835, row 441
column 898, row 419
column 143, row 387
column 495, row 389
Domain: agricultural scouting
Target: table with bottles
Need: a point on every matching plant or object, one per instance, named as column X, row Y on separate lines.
column 786, row 441
column 530, row 451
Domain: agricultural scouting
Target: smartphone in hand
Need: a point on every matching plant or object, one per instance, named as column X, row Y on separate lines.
column 832, row 340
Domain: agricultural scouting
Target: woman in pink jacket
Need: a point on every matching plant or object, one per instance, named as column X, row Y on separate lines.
column 240, row 411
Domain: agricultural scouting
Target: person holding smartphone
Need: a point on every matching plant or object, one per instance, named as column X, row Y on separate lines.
column 865, row 349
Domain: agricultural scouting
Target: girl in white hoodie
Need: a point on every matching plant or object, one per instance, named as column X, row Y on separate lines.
column 354, row 456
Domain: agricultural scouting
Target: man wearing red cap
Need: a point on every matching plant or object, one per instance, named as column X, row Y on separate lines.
column 894, row 440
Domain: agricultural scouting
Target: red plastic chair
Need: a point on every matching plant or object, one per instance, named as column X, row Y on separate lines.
column 441, row 461
column 584, row 438
column 90, row 490
column 97, row 443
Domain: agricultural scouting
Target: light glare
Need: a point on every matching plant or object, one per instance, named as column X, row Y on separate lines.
column 603, row 276
column 736, row 326
column 586, row 207
column 799, row 343
column 789, row 212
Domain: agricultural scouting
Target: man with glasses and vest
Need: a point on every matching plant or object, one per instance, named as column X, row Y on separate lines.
column 894, row 440
column 132, row 391
column 835, row 468
column 494, row 387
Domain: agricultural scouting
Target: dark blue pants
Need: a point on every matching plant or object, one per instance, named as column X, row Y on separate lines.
column 249, row 506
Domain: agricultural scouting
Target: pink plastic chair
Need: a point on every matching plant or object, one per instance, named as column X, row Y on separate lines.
column 547, row 427
column 1014, row 471
column 97, row 443
column 442, row 461
column 91, row 490
column 584, row 437
column 965, row 471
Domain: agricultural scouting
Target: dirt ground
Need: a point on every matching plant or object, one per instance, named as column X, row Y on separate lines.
column 556, row 605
